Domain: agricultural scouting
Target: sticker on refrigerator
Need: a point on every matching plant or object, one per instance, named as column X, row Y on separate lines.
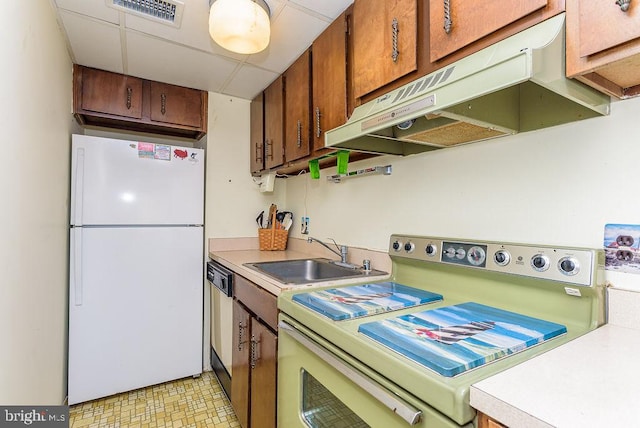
column 180, row 153
column 622, row 247
column 146, row 150
column 163, row 152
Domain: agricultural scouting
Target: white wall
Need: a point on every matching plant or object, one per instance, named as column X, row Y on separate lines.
column 34, row 179
column 558, row 186
column 232, row 200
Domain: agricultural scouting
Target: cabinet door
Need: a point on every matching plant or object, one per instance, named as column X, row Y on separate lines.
column 257, row 135
column 176, row 105
column 240, row 369
column 111, row 93
column 603, row 46
column 604, row 25
column 455, row 24
column 297, row 81
column 264, row 360
column 329, row 69
column 384, row 42
column 274, row 124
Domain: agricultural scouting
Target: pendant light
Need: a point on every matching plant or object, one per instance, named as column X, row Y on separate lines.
column 241, row 26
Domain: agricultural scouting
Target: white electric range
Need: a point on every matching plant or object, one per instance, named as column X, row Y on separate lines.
column 404, row 352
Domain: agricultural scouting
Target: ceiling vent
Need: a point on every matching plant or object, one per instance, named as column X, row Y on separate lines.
column 164, row 11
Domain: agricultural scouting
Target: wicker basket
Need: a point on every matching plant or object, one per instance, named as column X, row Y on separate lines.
column 273, row 239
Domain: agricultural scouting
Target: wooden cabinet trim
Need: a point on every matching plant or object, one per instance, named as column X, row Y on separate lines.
column 259, row 301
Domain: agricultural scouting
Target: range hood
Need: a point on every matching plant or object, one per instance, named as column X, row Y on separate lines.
column 515, row 85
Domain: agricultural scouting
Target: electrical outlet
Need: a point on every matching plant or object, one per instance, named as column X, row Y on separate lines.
column 304, row 225
column 622, row 247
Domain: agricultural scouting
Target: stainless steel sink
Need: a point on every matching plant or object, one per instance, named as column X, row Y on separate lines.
column 309, row 270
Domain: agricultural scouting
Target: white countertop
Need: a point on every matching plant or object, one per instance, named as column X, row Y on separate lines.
column 592, row 381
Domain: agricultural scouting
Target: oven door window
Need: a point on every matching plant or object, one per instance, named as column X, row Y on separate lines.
column 320, row 408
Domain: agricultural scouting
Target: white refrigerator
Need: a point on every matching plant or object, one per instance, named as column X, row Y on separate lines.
column 136, row 265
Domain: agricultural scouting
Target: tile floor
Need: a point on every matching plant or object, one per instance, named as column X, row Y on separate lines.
column 185, row 402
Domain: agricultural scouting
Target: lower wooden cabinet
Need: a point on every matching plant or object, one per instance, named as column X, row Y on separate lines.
column 485, row 421
column 254, row 358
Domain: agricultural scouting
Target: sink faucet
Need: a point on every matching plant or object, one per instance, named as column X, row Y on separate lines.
column 343, row 248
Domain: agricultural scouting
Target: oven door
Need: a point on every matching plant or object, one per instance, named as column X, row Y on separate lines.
column 321, row 386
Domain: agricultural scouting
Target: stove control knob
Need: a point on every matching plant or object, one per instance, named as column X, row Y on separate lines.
column 461, row 253
column 450, row 252
column 409, row 247
column 502, row 257
column 569, row 266
column 431, row 250
column 397, row 245
column 540, row 262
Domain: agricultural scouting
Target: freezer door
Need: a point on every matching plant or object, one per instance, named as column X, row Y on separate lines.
column 135, row 308
column 128, row 182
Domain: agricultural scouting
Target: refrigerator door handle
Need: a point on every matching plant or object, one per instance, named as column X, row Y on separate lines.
column 78, row 187
column 77, row 265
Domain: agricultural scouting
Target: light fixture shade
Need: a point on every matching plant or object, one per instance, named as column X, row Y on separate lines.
column 240, row 26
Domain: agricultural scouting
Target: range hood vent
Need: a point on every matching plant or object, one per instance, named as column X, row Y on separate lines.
column 165, row 11
column 515, row 85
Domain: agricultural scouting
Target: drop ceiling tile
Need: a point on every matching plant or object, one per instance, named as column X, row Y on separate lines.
column 157, row 59
column 93, row 8
column 292, row 32
column 94, row 43
column 193, row 31
column 249, row 81
column 329, row 8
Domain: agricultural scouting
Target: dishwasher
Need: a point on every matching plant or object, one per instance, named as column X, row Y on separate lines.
column 221, row 302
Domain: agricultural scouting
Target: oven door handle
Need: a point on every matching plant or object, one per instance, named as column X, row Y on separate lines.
column 400, row 407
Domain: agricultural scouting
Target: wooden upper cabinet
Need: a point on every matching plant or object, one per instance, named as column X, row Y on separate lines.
column 274, row 124
column 256, row 110
column 603, row 46
column 111, row 93
column 454, row 24
column 329, row 69
column 103, row 98
column 384, row 42
column 297, row 102
column 176, row 105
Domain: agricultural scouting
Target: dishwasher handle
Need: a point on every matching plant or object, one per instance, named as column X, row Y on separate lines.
column 398, row 406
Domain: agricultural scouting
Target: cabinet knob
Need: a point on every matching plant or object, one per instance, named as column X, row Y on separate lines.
column 255, row 351
column 394, row 40
column 318, row 129
column 163, row 103
column 129, row 93
column 258, row 152
column 448, row 23
column 269, row 149
column 299, row 134
column 241, row 341
column 624, row 4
